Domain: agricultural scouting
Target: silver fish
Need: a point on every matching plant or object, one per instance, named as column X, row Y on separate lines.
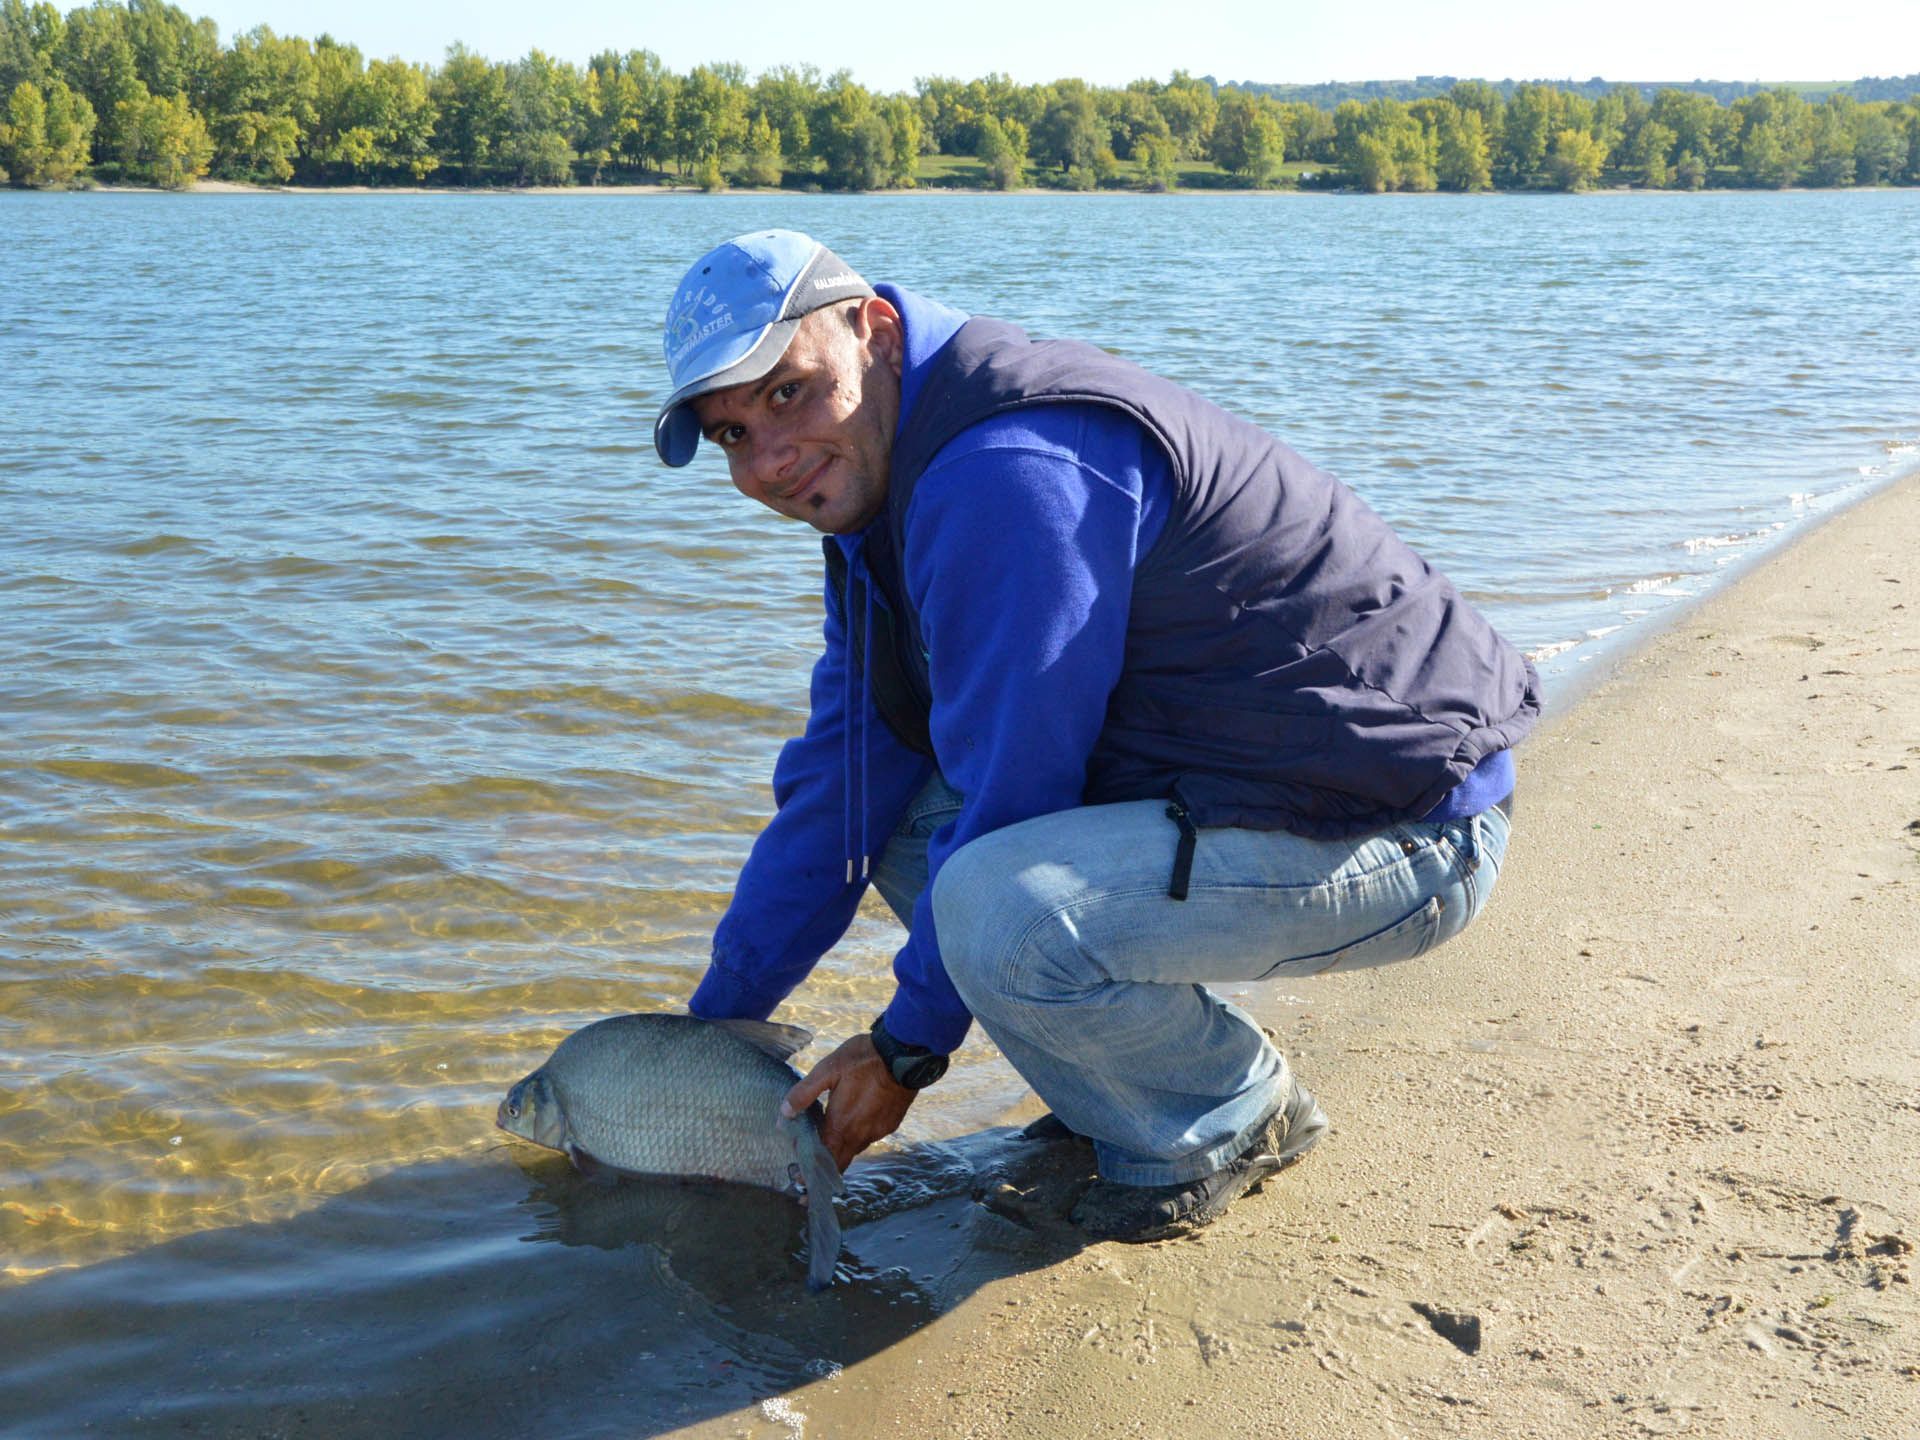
column 677, row 1095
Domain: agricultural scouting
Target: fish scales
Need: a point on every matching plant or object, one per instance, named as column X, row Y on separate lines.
column 628, row 1105
column 679, row 1096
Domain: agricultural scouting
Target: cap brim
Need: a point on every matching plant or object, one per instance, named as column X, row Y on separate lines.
column 676, row 430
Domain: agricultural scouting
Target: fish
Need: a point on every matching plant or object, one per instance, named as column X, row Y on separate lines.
column 675, row 1095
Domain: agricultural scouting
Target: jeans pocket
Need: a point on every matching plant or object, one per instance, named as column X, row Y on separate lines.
column 935, row 804
column 1402, row 940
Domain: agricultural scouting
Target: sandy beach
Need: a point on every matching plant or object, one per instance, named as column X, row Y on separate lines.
column 1636, row 1156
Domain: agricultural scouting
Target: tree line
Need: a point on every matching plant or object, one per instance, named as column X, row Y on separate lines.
column 1427, row 87
column 137, row 91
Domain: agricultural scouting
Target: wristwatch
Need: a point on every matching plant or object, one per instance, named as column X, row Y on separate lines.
column 913, row 1066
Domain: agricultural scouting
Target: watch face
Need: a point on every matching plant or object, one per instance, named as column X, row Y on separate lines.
column 921, row 1072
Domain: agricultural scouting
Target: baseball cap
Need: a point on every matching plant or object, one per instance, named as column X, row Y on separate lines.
column 733, row 317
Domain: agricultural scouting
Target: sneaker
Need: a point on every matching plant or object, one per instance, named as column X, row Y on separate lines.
column 1137, row 1213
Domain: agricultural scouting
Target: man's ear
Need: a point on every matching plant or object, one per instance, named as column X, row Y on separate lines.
column 879, row 328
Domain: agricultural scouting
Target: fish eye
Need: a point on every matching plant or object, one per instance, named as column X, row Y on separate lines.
column 513, row 1111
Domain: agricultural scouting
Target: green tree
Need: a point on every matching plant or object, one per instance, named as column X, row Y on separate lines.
column 1247, row 138
column 1159, row 162
column 852, row 137
column 641, row 97
column 954, row 125
column 762, row 163
column 471, row 96
column 1651, row 149
column 336, row 76
column 710, row 115
column 1485, row 101
column 70, row 126
column 543, row 108
column 1693, row 119
column 95, row 56
column 953, row 110
column 29, row 38
column 1774, row 142
column 1003, row 149
column 1189, row 108
column 788, row 95
column 1369, row 161
column 1533, row 115
column 395, row 102
column 1878, row 146
column 1131, row 118
column 24, row 151
column 1830, row 142
column 1462, row 161
column 1070, row 133
column 1617, row 117
column 1308, row 130
column 600, row 119
column 1576, row 159
column 173, row 53
column 162, row 141
column 1383, row 146
column 264, row 102
column 253, row 146
column 707, row 175
column 903, row 123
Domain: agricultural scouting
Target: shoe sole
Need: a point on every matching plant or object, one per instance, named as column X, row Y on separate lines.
column 1306, row 1124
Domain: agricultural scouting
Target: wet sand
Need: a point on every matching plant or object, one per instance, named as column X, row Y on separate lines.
column 1635, row 1156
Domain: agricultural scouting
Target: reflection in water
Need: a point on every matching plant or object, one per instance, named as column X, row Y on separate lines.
column 503, row 1299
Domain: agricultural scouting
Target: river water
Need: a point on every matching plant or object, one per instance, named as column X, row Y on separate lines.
column 377, row 709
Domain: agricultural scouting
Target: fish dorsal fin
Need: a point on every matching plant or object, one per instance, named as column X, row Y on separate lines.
column 779, row 1041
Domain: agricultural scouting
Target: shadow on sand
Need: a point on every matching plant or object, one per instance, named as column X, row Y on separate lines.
column 507, row 1296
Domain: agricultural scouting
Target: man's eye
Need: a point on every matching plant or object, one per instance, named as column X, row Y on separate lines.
column 787, row 391
column 731, row 435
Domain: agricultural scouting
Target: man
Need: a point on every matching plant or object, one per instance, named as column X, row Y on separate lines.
column 1126, row 696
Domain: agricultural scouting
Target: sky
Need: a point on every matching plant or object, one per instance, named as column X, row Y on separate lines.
column 1109, row 43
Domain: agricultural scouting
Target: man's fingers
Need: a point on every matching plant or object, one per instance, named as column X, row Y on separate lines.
column 822, row 1078
column 803, row 1094
column 868, row 1108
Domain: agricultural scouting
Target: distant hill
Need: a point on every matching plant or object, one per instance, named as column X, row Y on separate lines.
column 1326, row 96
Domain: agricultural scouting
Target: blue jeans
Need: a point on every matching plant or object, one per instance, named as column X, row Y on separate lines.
column 1060, row 936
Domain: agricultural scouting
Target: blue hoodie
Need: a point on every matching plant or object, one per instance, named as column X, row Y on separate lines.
column 1060, row 500
column 1064, row 498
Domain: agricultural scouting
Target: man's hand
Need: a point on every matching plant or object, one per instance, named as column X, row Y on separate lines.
column 868, row 1104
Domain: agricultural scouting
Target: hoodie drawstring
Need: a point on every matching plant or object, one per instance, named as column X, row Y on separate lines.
column 866, row 705
column 854, row 696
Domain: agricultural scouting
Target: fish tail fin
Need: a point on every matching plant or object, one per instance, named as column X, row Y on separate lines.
column 822, row 1179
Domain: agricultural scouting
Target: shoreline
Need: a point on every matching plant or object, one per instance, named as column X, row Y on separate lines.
column 240, row 187
column 1598, row 659
column 1633, row 1156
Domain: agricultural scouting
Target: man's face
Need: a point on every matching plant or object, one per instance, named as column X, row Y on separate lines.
column 813, row 438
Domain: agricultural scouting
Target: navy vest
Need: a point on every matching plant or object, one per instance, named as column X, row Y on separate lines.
column 1291, row 663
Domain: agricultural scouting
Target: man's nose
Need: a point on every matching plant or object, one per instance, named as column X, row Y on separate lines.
column 773, row 460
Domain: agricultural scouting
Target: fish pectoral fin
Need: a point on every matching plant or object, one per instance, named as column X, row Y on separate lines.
column 599, row 1172
column 779, row 1041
